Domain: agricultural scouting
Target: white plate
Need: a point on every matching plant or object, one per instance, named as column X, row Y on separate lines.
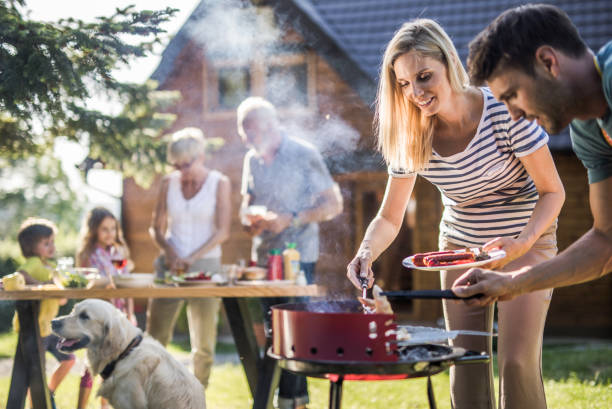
column 265, row 282
column 197, row 283
column 135, row 280
column 493, row 255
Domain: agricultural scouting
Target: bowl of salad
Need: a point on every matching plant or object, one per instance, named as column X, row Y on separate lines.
column 79, row 277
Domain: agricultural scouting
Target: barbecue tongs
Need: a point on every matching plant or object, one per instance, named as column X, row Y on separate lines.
column 364, row 286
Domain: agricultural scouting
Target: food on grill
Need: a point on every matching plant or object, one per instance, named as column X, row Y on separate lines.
column 421, row 353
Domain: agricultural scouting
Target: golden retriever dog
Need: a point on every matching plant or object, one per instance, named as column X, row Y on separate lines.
column 137, row 370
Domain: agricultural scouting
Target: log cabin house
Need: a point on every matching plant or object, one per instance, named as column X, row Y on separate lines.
column 318, row 61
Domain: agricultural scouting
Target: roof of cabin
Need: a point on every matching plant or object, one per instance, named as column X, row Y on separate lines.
column 351, row 34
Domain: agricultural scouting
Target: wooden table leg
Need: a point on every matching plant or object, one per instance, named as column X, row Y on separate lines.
column 241, row 325
column 29, row 363
column 262, row 372
column 19, row 381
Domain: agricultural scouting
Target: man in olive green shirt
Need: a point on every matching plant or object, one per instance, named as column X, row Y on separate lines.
column 534, row 61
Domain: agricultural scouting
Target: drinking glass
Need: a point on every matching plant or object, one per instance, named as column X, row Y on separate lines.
column 118, row 259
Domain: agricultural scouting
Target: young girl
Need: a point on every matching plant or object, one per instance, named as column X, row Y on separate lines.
column 499, row 187
column 103, row 247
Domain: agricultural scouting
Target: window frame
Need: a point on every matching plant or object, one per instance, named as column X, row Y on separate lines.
column 258, row 70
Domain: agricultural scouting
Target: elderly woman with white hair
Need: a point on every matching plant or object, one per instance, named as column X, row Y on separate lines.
column 190, row 221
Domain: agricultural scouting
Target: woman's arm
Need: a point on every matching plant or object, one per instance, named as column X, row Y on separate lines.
column 159, row 223
column 159, row 226
column 541, row 168
column 222, row 220
column 382, row 229
column 130, row 310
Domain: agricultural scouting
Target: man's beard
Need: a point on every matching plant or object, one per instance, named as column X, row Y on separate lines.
column 551, row 103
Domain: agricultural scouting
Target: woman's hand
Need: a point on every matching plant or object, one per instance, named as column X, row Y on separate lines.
column 181, row 265
column 514, row 249
column 360, row 268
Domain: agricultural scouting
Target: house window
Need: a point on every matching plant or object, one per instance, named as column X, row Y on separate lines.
column 234, row 84
column 286, row 85
column 286, row 80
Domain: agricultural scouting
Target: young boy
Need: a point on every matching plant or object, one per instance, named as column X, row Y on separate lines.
column 37, row 242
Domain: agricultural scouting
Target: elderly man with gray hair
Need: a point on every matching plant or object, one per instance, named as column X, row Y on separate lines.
column 288, row 176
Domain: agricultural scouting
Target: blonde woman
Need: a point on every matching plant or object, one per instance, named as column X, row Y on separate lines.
column 190, row 221
column 499, row 187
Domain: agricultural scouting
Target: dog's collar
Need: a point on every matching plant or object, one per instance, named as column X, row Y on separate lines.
column 108, row 369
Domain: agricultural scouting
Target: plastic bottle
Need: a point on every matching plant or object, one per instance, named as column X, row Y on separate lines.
column 291, row 262
column 301, row 278
column 275, row 265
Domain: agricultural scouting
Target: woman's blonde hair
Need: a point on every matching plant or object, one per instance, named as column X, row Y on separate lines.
column 404, row 135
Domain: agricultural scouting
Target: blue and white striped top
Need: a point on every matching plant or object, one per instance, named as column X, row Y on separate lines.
column 485, row 189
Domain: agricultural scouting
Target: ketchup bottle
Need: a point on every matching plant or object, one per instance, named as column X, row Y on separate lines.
column 275, row 265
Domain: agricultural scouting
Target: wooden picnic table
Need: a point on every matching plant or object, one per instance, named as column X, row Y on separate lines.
column 261, row 371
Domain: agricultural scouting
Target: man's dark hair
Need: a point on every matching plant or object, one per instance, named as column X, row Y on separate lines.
column 512, row 39
column 32, row 231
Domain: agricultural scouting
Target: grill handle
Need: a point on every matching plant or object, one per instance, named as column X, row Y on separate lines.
column 428, row 294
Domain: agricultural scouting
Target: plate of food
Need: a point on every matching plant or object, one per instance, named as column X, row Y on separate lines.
column 200, row 278
column 252, row 273
column 77, row 277
column 452, row 259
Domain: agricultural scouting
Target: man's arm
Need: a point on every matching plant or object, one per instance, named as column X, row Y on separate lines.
column 328, row 205
column 587, row 259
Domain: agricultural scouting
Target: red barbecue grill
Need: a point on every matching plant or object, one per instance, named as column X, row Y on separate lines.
column 338, row 342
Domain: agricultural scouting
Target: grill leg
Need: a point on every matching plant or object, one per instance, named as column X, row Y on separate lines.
column 430, row 394
column 335, row 393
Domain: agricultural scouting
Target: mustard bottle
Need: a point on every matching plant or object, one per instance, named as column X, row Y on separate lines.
column 291, row 262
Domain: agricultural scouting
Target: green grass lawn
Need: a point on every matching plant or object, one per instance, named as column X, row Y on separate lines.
column 575, row 377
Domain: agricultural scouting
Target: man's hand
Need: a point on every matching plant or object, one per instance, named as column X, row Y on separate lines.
column 276, row 222
column 495, row 286
column 255, row 228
